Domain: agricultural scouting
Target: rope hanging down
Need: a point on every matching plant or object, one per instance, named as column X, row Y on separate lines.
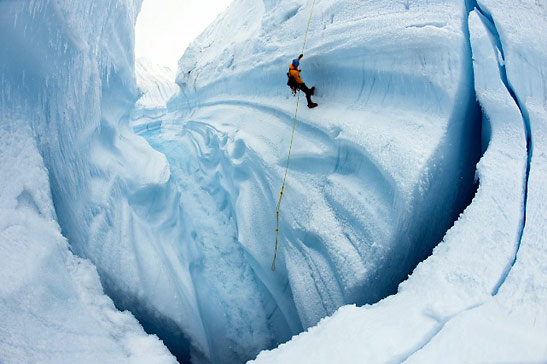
column 290, row 149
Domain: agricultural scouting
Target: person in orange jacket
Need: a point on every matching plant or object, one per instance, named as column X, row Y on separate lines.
column 296, row 83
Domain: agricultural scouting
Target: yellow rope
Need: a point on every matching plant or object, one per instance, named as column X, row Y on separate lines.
column 283, row 185
column 308, row 28
column 290, row 149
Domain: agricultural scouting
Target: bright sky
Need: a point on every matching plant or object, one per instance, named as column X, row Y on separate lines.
column 166, row 27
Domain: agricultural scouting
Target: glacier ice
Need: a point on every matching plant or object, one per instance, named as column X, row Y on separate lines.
column 178, row 221
column 56, row 76
column 156, row 86
column 377, row 175
column 481, row 296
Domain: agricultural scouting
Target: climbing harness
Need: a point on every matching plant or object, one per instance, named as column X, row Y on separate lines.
column 290, row 149
column 292, row 84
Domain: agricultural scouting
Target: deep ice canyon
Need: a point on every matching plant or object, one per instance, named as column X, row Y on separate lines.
column 173, row 204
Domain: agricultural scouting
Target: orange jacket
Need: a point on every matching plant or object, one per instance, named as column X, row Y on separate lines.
column 294, row 72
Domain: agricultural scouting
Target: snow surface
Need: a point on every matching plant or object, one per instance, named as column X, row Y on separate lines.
column 52, row 304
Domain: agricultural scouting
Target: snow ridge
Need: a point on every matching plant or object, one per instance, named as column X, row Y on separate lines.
column 491, row 26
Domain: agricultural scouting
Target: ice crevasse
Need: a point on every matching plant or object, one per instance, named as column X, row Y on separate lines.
column 178, row 221
column 376, row 176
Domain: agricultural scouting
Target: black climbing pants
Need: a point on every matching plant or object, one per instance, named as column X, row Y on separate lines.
column 307, row 91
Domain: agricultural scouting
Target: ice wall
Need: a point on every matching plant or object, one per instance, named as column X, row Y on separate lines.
column 182, row 234
column 156, row 86
column 66, row 80
column 378, row 173
column 480, row 296
column 396, row 100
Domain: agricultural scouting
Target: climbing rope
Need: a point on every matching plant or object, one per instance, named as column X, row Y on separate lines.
column 283, row 185
column 308, row 27
column 290, row 149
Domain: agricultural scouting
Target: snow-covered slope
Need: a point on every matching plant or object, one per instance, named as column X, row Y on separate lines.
column 66, row 81
column 52, row 304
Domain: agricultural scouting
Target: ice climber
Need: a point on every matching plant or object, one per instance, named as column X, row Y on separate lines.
column 296, row 83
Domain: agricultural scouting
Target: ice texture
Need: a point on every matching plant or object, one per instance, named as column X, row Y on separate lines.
column 156, row 86
column 481, row 296
column 66, row 78
column 178, row 221
column 378, row 173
